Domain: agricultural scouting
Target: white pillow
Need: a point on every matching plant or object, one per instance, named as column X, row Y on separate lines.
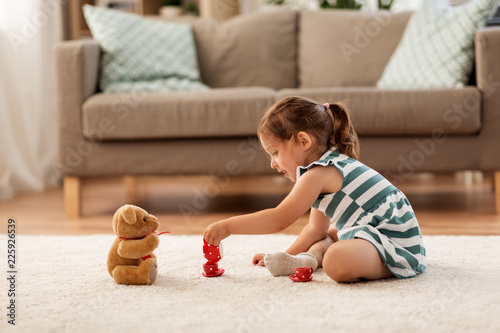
column 437, row 47
column 141, row 54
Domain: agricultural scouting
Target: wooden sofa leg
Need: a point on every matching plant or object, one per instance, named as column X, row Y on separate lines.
column 72, row 198
column 131, row 187
column 496, row 186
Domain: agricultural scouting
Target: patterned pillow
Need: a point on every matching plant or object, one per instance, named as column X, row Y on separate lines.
column 437, row 47
column 141, row 54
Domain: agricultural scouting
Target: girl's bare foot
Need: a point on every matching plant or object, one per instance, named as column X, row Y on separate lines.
column 258, row 259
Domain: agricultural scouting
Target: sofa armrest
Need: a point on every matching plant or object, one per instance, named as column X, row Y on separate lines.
column 487, row 65
column 76, row 71
column 487, row 42
column 85, row 57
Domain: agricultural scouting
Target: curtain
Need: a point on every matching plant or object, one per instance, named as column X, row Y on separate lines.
column 28, row 121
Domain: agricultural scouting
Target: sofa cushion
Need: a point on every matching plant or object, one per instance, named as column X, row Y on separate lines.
column 248, row 51
column 220, row 112
column 346, row 48
column 378, row 112
column 141, row 54
column 437, row 48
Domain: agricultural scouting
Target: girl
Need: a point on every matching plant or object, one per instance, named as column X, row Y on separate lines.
column 374, row 235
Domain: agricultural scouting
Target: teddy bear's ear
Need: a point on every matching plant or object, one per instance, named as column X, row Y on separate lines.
column 129, row 215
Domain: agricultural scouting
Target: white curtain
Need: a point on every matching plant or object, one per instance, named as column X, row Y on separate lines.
column 28, row 121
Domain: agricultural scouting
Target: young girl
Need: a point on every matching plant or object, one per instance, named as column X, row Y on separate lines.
column 374, row 234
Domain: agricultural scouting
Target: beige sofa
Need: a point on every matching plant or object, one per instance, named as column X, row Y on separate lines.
column 250, row 62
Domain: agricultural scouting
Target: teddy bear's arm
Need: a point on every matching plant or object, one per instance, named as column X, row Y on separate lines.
column 137, row 248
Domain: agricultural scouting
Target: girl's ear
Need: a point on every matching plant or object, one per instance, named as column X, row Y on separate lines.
column 305, row 140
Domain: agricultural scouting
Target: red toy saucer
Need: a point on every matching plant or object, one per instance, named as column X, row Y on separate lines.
column 219, row 272
column 295, row 278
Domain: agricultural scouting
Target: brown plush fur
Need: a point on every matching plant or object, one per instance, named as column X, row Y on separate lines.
column 125, row 263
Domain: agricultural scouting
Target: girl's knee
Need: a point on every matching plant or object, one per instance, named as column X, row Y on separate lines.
column 332, row 233
column 336, row 265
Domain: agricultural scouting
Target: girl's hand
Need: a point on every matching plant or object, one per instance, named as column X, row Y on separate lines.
column 258, row 259
column 216, row 232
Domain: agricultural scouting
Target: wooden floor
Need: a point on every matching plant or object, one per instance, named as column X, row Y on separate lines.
column 460, row 204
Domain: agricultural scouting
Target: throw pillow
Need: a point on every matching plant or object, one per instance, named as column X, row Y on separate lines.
column 437, row 47
column 141, row 54
column 253, row 50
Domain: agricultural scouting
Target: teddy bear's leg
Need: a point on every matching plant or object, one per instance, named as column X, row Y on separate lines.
column 145, row 273
column 153, row 268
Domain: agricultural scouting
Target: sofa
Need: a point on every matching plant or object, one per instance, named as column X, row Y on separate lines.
column 249, row 62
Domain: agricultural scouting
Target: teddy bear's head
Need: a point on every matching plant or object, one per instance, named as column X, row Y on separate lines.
column 134, row 222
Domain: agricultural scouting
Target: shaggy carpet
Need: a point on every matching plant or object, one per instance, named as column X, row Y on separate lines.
column 62, row 285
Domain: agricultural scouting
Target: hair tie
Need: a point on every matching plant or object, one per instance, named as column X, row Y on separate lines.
column 327, row 106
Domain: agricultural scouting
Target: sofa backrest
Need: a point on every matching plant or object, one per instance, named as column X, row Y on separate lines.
column 251, row 50
column 346, row 48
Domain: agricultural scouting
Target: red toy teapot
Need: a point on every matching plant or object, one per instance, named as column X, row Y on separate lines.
column 213, row 254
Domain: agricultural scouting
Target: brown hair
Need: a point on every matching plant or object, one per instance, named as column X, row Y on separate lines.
column 331, row 127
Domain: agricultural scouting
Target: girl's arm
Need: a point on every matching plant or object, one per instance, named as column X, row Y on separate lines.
column 313, row 232
column 304, row 193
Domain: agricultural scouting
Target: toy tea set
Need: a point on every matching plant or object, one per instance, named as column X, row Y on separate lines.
column 213, row 254
column 131, row 260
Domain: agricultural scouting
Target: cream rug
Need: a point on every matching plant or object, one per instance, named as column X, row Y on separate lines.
column 63, row 286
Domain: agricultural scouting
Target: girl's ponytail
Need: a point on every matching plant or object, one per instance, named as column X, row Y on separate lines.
column 291, row 115
column 343, row 137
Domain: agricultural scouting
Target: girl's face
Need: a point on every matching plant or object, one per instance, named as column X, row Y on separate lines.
column 285, row 155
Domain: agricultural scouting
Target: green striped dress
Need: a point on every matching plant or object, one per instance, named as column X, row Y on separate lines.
column 368, row 206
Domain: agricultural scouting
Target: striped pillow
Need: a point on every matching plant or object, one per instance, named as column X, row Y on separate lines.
column 437, row 47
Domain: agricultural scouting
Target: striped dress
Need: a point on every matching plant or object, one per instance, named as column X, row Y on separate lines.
column 368, row 206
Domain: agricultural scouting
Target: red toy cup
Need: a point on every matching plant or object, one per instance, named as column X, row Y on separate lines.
column 303, row 273
column 211, row 252
column 210, row 269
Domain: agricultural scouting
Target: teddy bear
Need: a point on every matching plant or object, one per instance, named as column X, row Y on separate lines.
column 131, row 259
